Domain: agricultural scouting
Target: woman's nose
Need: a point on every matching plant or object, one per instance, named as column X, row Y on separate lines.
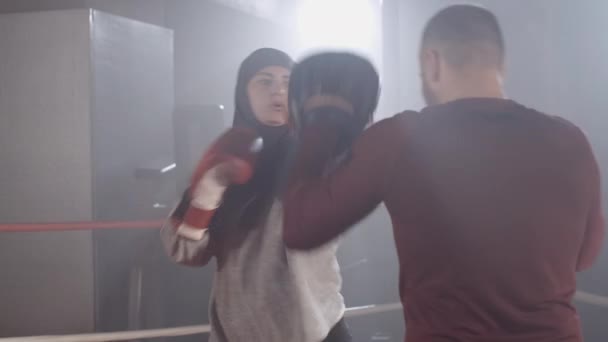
column 279, row 88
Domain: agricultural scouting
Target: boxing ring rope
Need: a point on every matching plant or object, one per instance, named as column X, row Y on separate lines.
column 202, row 329
column 78, row 225
column 580, row 296
column 174, row 332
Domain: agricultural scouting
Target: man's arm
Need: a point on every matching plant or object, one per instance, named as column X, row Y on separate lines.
column 318, row 208
column 595, row 230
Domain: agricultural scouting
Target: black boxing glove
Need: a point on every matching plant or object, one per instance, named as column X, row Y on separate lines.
column 331, row 126
column 339, row 90
column 332, row 97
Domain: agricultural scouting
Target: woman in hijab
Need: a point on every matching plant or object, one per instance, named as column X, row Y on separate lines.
column 262, row 291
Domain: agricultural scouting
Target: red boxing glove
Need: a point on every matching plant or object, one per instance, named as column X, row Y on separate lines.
column 230, row 160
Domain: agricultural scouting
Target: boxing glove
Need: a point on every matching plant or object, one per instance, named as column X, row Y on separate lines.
column 230, row 160
column 339, row 90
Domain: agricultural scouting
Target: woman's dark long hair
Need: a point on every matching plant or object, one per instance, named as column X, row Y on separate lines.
column 244, row 206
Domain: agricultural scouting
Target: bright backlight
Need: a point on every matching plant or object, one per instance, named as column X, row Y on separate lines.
column 337, row 24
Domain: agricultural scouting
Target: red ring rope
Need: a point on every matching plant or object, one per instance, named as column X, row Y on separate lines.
column 83, row 225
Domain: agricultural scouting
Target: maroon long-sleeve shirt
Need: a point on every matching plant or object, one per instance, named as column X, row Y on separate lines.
column 494, row 208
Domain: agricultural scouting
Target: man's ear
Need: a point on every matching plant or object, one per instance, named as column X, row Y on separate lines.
column 431, row 64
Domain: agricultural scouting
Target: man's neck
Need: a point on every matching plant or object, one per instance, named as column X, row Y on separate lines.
column 478, row 85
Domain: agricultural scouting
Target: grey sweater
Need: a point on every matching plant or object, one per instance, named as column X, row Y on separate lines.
column 264, row 291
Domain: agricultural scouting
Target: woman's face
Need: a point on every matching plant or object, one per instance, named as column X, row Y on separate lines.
column 267, row 92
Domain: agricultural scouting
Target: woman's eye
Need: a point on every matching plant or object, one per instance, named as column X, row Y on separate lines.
column 265, row 82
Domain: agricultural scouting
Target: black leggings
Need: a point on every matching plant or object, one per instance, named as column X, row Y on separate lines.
column 339, row 333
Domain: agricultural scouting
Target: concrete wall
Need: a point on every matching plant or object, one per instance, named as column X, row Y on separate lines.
column 131, row 128
column 10, row 6
column 46, row 172
column 85, row 99
column 147, row 11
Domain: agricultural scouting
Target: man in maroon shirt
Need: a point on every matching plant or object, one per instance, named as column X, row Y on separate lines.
column 495, row 206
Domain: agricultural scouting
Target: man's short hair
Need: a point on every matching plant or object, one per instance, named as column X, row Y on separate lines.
column 466, row 35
